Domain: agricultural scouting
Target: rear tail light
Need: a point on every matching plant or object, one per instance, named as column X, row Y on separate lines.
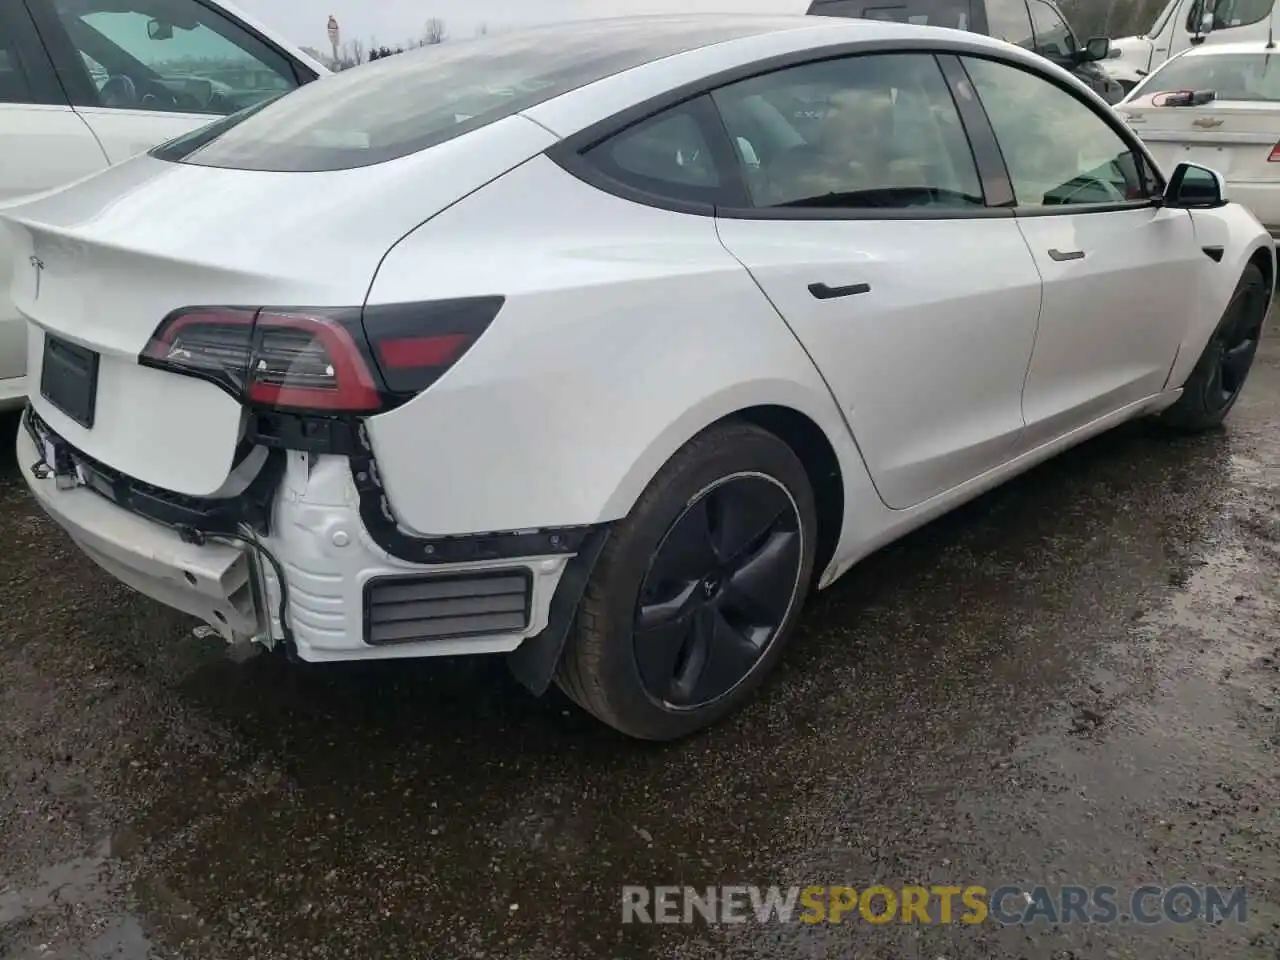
column 329, row 361
column 1274, row 156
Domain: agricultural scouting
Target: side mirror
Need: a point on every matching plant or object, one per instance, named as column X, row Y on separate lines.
column 1206, row 22
column 1193, row 187
column 159, row 31
column 1096, row 48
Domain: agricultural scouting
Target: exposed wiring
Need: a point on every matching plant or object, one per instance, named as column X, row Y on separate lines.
column 198, row 538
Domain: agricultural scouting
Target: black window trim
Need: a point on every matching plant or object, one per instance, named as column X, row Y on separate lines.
column 33, row 62
column 78, row 85
column 569, row 152
column 1148, row 168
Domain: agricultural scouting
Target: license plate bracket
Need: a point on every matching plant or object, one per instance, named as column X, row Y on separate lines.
column 69, row 379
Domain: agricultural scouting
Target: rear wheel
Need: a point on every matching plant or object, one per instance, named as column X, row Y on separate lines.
column 1214, row 385
column 696, row 591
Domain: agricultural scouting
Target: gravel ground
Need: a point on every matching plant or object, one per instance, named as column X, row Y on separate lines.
column 1073, row 680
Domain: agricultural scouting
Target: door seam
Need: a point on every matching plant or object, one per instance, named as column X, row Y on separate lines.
column 844, row 417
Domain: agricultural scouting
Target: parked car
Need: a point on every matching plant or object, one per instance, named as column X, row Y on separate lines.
column 1184, row 24
column 607, row 376
column 1034, row 24
column 88, row 83
column 1218, row 106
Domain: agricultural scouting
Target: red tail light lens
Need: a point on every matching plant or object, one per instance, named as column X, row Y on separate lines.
column 1274, row 156
column 324, row 361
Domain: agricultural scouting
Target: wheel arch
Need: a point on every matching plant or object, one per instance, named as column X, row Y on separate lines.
column 1243, row 242
column 819, row 438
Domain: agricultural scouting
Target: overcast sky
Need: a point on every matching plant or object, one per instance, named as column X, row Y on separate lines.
column 391, row 21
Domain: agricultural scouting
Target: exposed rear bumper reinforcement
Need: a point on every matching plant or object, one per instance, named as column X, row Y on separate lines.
column 210, row 516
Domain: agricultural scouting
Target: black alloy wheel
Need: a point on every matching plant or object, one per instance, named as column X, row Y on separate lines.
column 717, row 591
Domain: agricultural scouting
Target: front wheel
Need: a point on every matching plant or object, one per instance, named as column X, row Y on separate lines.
column 1214, row 385
column 696, row 591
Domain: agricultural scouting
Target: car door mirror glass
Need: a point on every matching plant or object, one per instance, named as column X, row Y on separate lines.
column 1195, row 187
column 1097, row 48
column 1206, row 22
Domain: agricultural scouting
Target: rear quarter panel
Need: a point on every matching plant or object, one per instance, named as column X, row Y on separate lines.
column 627, row 330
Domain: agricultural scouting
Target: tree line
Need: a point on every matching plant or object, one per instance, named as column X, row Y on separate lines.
column 352, row 53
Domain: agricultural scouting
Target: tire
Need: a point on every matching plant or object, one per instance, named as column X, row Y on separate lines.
column 682, row 559
column 1214, row 385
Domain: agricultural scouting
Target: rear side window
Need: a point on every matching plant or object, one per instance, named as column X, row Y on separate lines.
column 413, row 101
column 668, row 156
column 859, row 133
column 1238, row 76
column 13, row 84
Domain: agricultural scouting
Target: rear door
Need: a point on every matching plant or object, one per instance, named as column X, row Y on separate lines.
column 141, row 72
column 869, row 232
column 1119, row 270
column 43, row 144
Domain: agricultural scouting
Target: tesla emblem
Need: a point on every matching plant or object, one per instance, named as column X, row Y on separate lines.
column 38, row 264
column 1207, row 122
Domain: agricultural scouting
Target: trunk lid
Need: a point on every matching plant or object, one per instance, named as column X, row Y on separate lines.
column 1233, row 137
column 1233, row 132
column 100, row 264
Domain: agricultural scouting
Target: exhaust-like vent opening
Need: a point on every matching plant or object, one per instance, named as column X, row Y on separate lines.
column 445, row 607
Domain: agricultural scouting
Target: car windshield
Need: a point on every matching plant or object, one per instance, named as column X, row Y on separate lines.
column 418, row 99
column 1231, row 76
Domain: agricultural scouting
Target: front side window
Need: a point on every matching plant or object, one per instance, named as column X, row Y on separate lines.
column 171, row 55
column 1057, row 150
column 1228, row 13
column 856, row 133
column 1231, row 76
column 1008, row 20
column 1053, row 37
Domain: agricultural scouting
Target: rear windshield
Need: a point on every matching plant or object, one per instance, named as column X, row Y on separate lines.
column 932, row 13
column 421, row 98
column 1231, row 76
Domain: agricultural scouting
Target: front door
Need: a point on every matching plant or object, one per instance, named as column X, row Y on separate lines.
column 869, row 233
column 1118, row 270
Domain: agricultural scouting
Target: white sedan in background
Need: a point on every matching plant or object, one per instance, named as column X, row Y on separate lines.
column 682, row 319
column 1217, row 105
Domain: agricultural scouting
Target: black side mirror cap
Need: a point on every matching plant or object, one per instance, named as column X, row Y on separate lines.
column 1193, row 187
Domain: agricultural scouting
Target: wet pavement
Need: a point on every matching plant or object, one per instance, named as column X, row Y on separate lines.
column 1071, row 681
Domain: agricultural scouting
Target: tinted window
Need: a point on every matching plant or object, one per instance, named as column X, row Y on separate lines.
column 1053, row 36
column 667, row 155
column 1231, row 76
column 415, row 100
column 934, row 13
column 1008, row 20
column 1228, row 13
column 1057, row 150
column 13, row 83
column 861, row 132
column 176, row 56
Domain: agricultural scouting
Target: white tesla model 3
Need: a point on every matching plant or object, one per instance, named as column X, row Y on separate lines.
column 600, row 345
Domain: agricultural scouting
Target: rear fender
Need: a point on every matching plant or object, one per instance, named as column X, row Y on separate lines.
column 626, row 331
